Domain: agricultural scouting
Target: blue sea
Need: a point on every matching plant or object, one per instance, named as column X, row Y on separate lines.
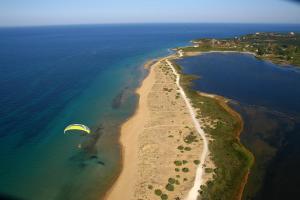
column 52, row 76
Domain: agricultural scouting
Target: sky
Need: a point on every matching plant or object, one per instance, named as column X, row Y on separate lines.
column 57, row 12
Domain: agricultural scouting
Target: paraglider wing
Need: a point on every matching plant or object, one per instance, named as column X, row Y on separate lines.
column 78, row 127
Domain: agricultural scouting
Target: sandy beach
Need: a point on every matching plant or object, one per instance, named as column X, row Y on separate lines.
column 161, row 147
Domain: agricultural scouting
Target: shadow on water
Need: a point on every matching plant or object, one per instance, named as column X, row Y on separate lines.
column 86, row 157
column 88, row 153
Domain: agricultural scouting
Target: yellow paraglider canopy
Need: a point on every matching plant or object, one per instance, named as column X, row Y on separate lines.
column 78, row 127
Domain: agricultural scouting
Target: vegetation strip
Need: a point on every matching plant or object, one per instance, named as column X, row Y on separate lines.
column 233, row 161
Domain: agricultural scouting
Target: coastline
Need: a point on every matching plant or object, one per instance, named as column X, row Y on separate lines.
column 128, row 152
column 128, row 185
column 138, row 177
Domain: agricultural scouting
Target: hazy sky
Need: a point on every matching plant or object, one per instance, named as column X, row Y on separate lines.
column 45, row 12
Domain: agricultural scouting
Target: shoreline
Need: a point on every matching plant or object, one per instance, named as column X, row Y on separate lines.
column 125, row 185
column 107, row 195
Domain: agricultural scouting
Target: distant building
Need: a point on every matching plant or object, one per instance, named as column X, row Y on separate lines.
column 292, row 33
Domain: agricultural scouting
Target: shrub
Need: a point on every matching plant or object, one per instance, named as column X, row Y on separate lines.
column 150, row 187
column 178, row 163
column 177, row 182
column 185, row 169
column 184, row 162
column 164, row 197
column 196, row 162
column 187, row 148
column 185, row 179
column 177, row 169
column 180, row 147
column 190, row 138
column 170, row 187
column 158, row 192
column 177, row 176
column 209, row 170
column 171, row 180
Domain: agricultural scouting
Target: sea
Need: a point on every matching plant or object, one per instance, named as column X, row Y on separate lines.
column 53, row 76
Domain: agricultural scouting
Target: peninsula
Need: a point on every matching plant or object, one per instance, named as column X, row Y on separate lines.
column 180, row 144
column 280, row 48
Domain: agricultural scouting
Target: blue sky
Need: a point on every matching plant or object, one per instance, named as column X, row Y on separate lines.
column 51, row 12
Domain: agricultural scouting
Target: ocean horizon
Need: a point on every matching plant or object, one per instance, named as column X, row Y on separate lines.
column 52, row 76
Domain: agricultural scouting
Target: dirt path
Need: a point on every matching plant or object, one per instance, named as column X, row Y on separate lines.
column 193, row 193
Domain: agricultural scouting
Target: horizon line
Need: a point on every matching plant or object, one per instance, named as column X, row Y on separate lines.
column 146, row 23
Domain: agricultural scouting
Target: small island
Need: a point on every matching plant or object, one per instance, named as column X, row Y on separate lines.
column 280, row 48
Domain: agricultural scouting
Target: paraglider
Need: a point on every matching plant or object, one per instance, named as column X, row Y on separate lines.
column 87, row 138
column 77, row 127
column 73, row 128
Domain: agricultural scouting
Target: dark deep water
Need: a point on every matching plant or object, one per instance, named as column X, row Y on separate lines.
column 268, row 98
column 56, row 75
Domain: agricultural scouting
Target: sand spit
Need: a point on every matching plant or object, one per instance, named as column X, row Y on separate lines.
column 161, row 146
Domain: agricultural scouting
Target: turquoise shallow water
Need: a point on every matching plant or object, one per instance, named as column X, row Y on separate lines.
column 53, row 76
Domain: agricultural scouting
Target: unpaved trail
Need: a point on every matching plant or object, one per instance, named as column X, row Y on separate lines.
column 193, row 193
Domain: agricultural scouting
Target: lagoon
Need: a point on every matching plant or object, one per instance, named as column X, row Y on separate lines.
column 267, row 96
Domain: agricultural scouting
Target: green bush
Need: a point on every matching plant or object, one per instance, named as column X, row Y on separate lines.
column 187, row 148
column 190, row 138
column 164, row 196
column 169, row 187
column 180, row 147
column 158, row 192
column 185, row 169
column 209, row 170
column 178, row 163
column 171, row 180
column 184, row 162
column 196, row 162
column 177, row 169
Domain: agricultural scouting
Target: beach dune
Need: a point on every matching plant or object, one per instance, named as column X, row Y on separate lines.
column 161, row 147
